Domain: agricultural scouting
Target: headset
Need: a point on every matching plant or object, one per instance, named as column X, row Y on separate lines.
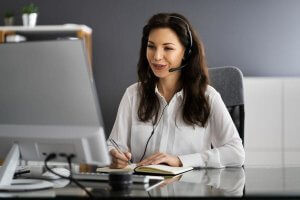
column 189, row 48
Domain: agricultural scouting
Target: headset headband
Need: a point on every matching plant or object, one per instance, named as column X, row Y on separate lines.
column 188, row 29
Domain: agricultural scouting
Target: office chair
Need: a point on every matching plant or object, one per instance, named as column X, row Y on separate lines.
column 228, row 81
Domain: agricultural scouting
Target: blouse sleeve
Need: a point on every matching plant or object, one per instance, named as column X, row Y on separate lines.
column 228, row 150
column 122, row 127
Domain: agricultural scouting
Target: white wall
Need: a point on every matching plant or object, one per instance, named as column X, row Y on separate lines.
column 272, row 125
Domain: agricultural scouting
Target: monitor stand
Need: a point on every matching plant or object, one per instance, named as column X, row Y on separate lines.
column 7, row 171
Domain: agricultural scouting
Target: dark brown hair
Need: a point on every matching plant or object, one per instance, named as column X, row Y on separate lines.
column 194, row 76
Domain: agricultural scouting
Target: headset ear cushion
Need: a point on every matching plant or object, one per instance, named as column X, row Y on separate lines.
column 187, row 54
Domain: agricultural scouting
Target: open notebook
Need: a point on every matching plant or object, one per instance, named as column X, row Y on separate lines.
column 149, row 169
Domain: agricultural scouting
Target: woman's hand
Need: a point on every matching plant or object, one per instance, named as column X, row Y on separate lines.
column 119, row 160
column 159, row 158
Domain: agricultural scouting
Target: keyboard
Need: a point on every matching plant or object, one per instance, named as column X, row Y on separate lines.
column 22, row 170
column 104, row 177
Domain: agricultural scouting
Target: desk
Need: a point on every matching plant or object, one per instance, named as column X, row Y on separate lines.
column 229, row 182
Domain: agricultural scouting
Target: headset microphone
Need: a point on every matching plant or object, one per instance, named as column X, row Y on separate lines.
column 177, row 68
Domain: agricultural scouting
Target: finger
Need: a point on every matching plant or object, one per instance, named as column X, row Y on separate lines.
column 154, row 159
column 169, row 160
column 118, row 164
column 150, row 159
column 128, row 155
column 111, row 152
column 159, row 160
column 147, row 161
column 114, row 166
column 118, row 155
column 163, row 158
column 119, row 161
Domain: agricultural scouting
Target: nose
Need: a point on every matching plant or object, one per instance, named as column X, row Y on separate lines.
column 158, row 54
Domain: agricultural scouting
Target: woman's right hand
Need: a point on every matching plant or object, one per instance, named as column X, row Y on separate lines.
column 119, row 160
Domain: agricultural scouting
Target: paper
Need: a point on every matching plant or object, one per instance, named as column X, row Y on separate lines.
column 149, row 169
column 129, row 168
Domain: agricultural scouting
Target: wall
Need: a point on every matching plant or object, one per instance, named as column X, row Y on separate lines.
column 272, row 106
column 259, row 36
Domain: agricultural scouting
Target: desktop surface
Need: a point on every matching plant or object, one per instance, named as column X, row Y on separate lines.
column 205, row 183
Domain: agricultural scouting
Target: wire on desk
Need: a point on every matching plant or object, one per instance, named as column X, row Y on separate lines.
column 70, row 177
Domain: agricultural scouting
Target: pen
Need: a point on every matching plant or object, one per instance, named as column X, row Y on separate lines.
column 118, row 148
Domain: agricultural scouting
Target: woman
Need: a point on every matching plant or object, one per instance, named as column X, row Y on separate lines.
column 172, row 116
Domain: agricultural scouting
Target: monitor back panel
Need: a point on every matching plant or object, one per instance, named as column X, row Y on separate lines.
column 47, row 83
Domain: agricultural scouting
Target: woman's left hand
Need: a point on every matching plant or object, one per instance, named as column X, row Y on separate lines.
column 159, row 158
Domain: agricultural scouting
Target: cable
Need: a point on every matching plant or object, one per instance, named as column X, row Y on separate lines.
column 69, row 159
column 152, row 133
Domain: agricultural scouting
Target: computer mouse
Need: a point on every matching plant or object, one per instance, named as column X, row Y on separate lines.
column 59, row 170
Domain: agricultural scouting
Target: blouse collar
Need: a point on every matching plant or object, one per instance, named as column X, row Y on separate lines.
column 177, row 94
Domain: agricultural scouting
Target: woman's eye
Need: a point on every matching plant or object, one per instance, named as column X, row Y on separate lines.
column 169, row 48
column 150, row 46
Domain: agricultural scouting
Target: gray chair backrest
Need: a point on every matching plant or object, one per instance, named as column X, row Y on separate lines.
column 228, row 81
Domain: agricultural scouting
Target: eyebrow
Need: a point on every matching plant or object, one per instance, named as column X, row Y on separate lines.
column 168, row 43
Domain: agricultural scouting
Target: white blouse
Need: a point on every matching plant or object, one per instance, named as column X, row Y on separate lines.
column 192, row 144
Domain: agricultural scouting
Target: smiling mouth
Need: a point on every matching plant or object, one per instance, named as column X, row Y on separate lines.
column 158, row 66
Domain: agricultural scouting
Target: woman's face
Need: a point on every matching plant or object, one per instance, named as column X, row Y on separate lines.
column 164, row 51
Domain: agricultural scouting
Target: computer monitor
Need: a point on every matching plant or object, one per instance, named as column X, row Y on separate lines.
column 48, row 104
